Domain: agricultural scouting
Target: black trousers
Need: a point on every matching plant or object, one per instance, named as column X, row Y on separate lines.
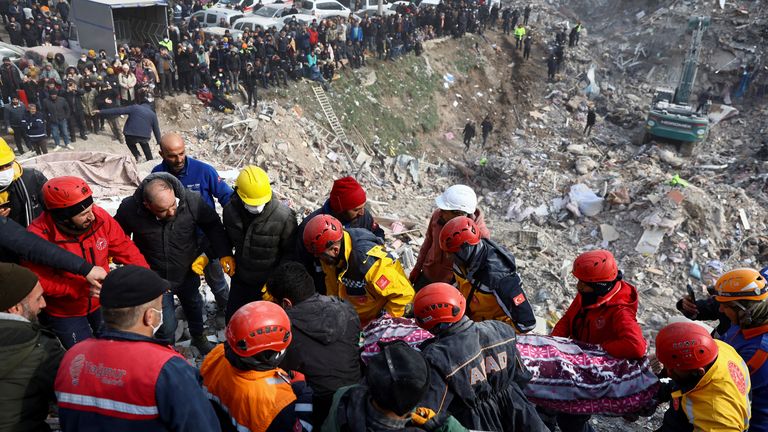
column 132, row 140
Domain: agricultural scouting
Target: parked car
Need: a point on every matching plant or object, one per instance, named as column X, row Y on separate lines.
column 265, row 17
column 324, row 8
column 220, row 32
column 213, row 16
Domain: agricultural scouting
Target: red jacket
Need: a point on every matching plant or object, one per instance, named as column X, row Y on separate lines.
column 610, row 323
column 67, row 294
column 437, row 265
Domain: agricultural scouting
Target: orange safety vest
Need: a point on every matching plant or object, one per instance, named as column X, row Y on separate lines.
column 252, row 398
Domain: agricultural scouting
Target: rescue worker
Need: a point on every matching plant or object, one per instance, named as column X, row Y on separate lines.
column 242, row 378
column 475, row 372
column 326, row 336
column 357, row 268
column 486, row 275
column 125, row 379
column 30, row 355
column 73, row 222
column 164, row 218
column 263, row 231
column 202, row 178
column 396, row 379
column 432, row 264
column 347, row 203
column 519, row 36
column 741, row 294
column 711, row 381
column 21, row 189
column 604, row 313
column 140, row 125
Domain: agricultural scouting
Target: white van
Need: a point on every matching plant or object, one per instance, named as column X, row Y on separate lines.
column 324, row 8
column 212, row 17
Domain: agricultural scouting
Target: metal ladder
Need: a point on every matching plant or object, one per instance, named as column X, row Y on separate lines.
column 330, row 115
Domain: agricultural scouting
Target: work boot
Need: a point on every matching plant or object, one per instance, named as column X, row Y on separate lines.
column 201, row 343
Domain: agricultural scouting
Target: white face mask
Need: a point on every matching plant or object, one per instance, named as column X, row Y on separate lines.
column 155, row 329
column 254, row 209
column 6, row 177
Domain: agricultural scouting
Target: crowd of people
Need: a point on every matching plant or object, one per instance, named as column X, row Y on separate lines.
column 98, row 340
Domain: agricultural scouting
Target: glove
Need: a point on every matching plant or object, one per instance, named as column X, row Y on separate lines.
column 199, row 264
column 420, row 416
column 228, row 265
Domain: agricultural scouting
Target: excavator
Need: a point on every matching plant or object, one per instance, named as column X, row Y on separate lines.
column 671, row 117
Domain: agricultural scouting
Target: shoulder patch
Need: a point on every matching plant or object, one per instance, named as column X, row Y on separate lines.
column 519, row 299
column 738, row 377
column 382, row 282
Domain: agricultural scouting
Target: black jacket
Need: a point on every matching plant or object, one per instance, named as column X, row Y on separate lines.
column 26, row 196
column 29, row 360
column 326, row 335
column 477, row 376
column 56, row 110
column 170, row 247
column 261, row 241
column 18, row 243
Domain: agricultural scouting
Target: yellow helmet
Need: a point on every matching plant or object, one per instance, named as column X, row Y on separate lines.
column 6, row 154
column 741, row 284
column 253, row 187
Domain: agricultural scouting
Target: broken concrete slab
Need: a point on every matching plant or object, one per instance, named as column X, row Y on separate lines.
column 650, row 241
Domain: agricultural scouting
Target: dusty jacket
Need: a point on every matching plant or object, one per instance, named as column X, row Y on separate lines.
column 261, row 241
column 476, row 376
column 67, row 295
column 325, row 347
column 611, row 322
column 25, row 194
column 436, row 265
column 29, row 359
column 493, row 288
column 170, row 247
column 368, row 277
column 127, row 84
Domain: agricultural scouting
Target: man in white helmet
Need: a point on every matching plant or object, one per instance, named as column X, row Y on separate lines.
column 434, row 265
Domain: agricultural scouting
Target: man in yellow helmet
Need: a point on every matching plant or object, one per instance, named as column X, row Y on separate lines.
column 263, row 231
column 21, row 189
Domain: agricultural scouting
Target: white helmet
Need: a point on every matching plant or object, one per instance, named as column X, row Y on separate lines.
column 458, row 197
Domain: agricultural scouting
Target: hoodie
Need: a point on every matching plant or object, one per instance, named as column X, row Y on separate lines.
column 325, row 347
column 611, row 322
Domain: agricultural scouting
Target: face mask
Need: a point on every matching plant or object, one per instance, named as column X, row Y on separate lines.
column 155, row 329
column 254, row 209
column 6, row 177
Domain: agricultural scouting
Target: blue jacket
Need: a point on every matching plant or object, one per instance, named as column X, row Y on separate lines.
column 181, row 403
column 142, row 121
column 752, row 346
column 202, row 178
column 356, row 34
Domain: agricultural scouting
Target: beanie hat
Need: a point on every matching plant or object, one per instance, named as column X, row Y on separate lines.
column 346, row 194
column 398, row 377
column 16, row 282
column 67, row 213
column 130, row 286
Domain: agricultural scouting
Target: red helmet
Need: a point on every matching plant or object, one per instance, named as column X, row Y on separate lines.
column 258, row 326
column 458, row 231
column 438, row 303
column 595, row 266
column 685, row 346
column 63, row 192
column 321, row 232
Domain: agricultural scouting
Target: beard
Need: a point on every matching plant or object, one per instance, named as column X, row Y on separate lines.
column 28, row 314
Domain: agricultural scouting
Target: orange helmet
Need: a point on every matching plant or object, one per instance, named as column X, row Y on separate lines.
column 685, row 346
column 741, row 284
column 65, row 191
column 595, row 266
column 458, row 231
column 257, row 327
column 438, row 303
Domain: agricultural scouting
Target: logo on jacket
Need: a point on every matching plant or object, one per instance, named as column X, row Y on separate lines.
column 76, row 367
column 738, row 377
column 101, row 243
column 489, row 365
column 382, row 282
column 600, row 322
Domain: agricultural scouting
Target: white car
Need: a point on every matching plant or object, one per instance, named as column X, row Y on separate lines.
column 265, row 17
column 212, row 17
column 302, row 19
column 323, row 8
